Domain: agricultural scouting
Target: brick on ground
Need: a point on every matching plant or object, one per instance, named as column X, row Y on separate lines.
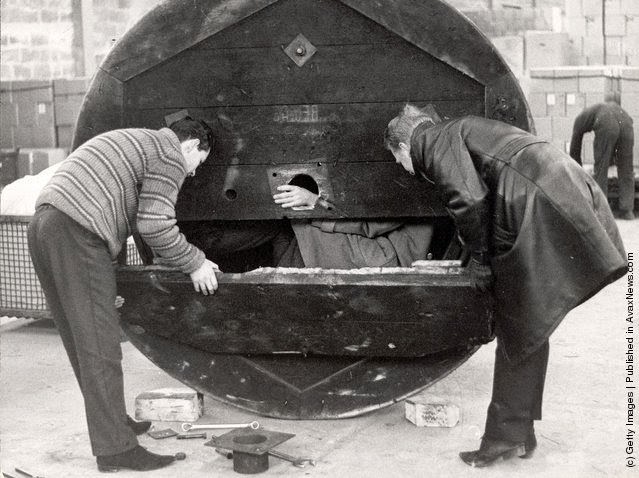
column 437, row 406
column 169, row 405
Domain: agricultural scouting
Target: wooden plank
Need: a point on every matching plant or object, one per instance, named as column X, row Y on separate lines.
column 449, row 40
column 374, row 315
column 282, row 21
column 359, row 190
column 266, row 76
column 297, row 387
column 300, row 133
column 173, row 27
column 432, row 26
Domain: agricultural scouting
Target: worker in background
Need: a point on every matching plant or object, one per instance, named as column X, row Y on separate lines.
column 614, row 141
column 114, row 184
column 541, row 237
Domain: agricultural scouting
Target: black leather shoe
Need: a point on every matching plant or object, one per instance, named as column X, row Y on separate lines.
column 138, row 427
column 138, row 459
column 491, row 450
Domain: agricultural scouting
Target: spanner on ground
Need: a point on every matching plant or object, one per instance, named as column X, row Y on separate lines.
column 190, row 427
column 299, row 462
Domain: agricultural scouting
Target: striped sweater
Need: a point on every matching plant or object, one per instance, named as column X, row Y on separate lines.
column 125, row 180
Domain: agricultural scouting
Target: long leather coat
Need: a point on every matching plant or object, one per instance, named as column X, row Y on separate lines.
column 550, row 232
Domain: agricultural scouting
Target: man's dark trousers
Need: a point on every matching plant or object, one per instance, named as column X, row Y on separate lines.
column 518, row 390
column 76, row 273
column 615, row 139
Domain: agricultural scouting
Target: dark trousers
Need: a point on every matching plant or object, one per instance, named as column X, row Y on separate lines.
column 76, row 273
column 517, row 395
column 616, row 140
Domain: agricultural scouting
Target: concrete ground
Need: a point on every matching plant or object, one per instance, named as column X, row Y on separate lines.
column 583, row 434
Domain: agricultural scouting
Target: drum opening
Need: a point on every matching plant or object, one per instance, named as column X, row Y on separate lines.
column 305, row 181
column 242, row 246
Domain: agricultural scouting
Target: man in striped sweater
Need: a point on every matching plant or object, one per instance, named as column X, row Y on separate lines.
column 112, row 185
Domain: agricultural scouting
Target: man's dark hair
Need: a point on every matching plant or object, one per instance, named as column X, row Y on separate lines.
column 188, row 128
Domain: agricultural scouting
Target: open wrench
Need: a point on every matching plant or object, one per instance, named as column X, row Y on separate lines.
column 190, row 427
column 298, row 462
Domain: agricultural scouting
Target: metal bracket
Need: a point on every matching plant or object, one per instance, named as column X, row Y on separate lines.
column 318, row 172
column 300, row 50
column 250, row 447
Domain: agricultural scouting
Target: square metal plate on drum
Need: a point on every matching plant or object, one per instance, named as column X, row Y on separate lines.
column 247, row 440
column 300, row 50
column 317, row 172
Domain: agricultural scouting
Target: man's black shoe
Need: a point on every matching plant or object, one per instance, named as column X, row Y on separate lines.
column 138, row 427
column 138, row 459
column 491, row 450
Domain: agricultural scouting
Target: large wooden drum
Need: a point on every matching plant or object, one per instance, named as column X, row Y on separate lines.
column 304, row 89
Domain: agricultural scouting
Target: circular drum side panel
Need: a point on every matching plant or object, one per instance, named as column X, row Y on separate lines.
column 280, row 386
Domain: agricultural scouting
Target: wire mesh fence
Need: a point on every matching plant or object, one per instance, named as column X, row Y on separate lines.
column 20, row 291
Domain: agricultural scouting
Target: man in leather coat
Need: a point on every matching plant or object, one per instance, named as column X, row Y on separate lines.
column 529, row 213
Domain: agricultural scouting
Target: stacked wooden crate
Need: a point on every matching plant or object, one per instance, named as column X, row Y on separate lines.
column 606, row 31
column 557, row 95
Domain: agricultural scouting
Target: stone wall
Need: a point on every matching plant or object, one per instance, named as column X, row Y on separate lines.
column 37, row 39
column 45, row 39
column 616, row 33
